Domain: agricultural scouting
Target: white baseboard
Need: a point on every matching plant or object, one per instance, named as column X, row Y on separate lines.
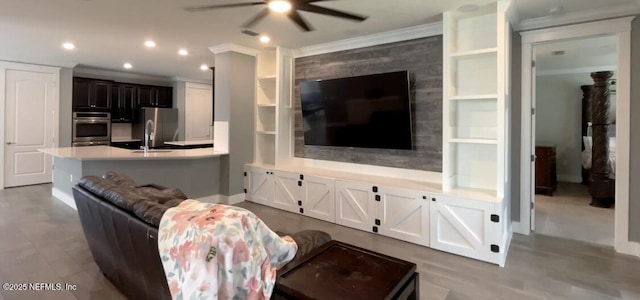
column 235, row 199
column 210, row 199
column 506, row 246
column 516, row 227
column 629, row 248
column 569, row 178
column 229, row 200
column 64, row 197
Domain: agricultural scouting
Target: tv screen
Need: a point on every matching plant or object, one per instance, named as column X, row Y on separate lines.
column 371, row 111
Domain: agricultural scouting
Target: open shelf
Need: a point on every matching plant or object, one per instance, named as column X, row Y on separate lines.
column 266, row 94
column 266, row 120
column 265, row 149
column 266, row 132
column 475, row 120
column 475, row 32
column 474, row 75
column 473, row 166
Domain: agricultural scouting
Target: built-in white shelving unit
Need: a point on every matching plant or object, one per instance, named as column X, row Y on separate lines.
column 474, row 100
column 273, row 107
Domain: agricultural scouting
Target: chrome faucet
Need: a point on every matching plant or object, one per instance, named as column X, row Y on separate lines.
column 148, row 134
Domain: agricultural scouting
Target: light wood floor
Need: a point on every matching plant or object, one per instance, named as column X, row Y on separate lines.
column 41, row 241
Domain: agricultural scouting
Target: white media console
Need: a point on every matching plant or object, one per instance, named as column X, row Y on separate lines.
column 464, row 223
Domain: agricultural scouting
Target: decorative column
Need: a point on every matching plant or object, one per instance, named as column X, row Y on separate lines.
column 601, row 187
column 234, row 114
column 586, row 118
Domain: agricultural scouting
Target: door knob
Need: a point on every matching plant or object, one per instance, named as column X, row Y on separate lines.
column 9, row 143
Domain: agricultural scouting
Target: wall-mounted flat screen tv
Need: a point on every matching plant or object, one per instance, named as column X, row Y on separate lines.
column 371, row 111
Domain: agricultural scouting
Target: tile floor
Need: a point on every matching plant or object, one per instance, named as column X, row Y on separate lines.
column 41, row 241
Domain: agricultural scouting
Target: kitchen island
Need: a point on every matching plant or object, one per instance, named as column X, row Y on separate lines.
column 195, row 171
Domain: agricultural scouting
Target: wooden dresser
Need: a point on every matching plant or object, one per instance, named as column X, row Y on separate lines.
column 546, row 178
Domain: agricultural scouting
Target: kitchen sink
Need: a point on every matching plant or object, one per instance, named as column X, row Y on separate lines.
column 151, row 151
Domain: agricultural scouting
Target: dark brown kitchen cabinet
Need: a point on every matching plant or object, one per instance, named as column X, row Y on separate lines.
column 91, row 94
column 123, row 102
column 155, row 96
column 164, row 97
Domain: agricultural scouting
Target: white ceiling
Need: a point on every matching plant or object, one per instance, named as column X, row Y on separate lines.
column 108, row 33
column 581, row 56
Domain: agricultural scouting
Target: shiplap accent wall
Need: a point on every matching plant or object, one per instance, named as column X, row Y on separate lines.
column 423, row 59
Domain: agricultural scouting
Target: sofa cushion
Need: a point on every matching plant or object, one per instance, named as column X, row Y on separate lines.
column 148, row 203
column 121, row 196
column 119, row 179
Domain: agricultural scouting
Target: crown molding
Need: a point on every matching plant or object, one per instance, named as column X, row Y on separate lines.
column 513, row 15
column 111, row 74
column 190, row 80
column 572, row 31
column 233, row 48
column 42, row 63
column 581, row 16
column 393, row 36
column 575, row 70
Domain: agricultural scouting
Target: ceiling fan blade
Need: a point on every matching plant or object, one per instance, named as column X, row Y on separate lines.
column 297, row 18
column 210, row 7
column 329, row 11
column 263, row 13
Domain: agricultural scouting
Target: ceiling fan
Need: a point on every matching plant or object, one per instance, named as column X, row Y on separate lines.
column 291, row 7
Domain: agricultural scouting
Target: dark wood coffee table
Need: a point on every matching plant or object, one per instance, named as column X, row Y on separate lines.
column 337, row 271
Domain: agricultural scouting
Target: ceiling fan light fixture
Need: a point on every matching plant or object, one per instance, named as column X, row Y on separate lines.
column 265, row 39
column 279, row 6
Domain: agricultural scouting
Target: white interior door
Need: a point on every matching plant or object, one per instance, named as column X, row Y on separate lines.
column 29, row 126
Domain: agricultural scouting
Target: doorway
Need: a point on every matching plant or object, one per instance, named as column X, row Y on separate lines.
column 29, row 106
column 563, row 86
column 620, row 29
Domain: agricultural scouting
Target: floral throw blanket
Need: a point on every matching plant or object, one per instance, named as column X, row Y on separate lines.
column 215, row 251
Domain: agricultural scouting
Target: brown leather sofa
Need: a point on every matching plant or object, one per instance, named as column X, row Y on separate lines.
column 120, row 222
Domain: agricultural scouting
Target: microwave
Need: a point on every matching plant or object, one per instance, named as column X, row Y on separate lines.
column 91, row 127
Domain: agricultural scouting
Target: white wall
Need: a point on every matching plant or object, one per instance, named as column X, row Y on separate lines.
column 558, row 120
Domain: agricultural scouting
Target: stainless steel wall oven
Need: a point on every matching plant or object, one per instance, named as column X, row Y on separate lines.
column 91, row 128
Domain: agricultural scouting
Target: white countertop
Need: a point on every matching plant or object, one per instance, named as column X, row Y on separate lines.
column 189, row 143
column 113, row 153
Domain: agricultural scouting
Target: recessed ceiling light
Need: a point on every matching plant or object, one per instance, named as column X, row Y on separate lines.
column 128, row 66
column 183, row 52
column 280, row 6
column 69, row 46
column 265, row 39
column 150, row 44
column 204, row 67
column 468, row 8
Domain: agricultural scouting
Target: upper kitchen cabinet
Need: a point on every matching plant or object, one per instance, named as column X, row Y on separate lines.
column 155, row 96
column 123, row 101
column 165, row 96
column 91, row 94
